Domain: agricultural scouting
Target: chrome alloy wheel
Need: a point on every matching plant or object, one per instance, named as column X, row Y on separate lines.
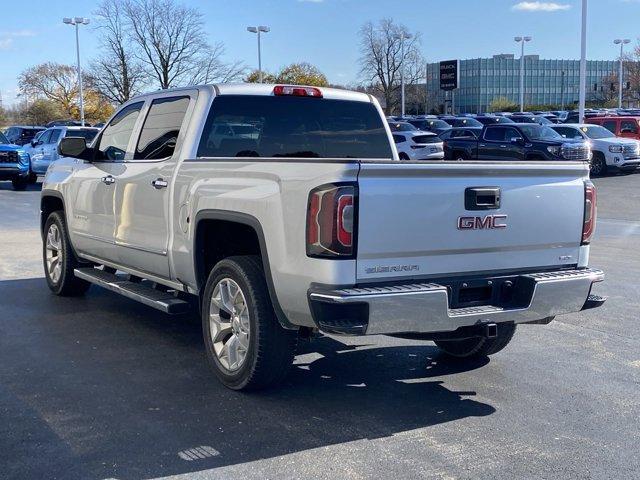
column 54, row 253
column 229, row 325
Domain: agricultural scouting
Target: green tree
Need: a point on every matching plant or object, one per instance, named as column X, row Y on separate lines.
column 502, row 104
column 41, row 111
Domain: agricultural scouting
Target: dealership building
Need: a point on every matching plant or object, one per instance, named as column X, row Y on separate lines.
column 545, row 82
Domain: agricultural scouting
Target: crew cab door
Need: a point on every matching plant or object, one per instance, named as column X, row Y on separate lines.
column 143, row 190
column 91, row 189
column 491, row 143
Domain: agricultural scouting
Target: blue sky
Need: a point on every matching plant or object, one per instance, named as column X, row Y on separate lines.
column 324, row 32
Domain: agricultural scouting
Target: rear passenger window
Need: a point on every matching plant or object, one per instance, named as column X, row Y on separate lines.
column 494, row 134
column 281, row 126
column 399, row 138
column 161, row 128
column 610, row 125
column 115, row 137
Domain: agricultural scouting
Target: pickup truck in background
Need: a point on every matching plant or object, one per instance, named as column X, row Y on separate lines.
column 309, row 224
column 610, row 153
column 517, row 142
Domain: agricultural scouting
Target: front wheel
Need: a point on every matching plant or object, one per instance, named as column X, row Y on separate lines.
column 478, row 347
column 598, row 165
column 59, row 260
column 246, row 346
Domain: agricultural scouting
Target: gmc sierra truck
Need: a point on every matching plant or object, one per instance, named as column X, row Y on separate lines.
column 309, row 222
column 517, row 141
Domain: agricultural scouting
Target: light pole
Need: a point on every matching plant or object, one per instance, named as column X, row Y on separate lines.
column 583, row 64
column 77, row 21
column 622, row 43
column 260, row 29
column 522, row 41
column 402, row 36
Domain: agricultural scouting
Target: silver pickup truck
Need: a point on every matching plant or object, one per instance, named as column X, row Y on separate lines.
column 284, row 211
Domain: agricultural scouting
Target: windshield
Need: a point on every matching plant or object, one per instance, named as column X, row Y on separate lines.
column 540, row 132
column 85, row 133
column 597, row 132
column 3, row 139
column 402, row 127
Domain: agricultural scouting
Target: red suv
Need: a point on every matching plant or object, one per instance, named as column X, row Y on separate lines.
column 628, row 127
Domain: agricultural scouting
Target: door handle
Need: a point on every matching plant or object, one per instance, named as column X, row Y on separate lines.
column 159, row 183
column 482, row 145
column 108, row 180
column 503, row 146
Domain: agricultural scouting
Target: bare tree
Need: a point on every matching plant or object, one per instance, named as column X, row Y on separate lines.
column 381, row 59
column 172, row 44
column 53, row 81
column 116, row 73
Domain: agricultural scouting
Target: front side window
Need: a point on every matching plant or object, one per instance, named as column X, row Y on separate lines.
column 115, row 136
column 161, row 128
column 45, row 137
column 629, row 126
column 282, row 126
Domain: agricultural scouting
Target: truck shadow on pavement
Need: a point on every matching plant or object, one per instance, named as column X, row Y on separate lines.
column 101, row 387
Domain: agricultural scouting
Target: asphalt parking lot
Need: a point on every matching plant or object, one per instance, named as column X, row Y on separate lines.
column 101, row 387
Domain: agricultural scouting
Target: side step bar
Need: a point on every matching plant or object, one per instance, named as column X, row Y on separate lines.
column 163, row 301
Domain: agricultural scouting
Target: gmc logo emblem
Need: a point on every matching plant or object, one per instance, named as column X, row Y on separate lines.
column 490, row 222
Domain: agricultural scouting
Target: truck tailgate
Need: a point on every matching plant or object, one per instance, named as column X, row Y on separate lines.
column 413, row 221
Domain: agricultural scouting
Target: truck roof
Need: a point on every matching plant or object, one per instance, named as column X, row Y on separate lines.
column 264, row 89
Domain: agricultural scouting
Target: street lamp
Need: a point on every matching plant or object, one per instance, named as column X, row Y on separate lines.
column 77, row 21
column 258, row 30
column 402, row 36
column 622, row 43
column 522, row 41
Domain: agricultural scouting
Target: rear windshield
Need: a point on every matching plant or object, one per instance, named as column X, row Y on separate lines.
column 293, row 127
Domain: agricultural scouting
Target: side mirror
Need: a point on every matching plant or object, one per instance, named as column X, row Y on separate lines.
column 518, row 141
column 75, row 147
column 34, row 143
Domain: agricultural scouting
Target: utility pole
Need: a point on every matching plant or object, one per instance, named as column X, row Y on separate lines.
column 583, row 63
column 258, row 30
column 622, row 43
column 522, row 41
column 77, row 21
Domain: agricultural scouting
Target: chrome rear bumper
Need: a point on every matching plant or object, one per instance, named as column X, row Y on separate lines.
column 424, row 307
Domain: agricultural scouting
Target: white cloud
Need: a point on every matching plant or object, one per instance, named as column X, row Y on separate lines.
column 540, row 6
column 5, row 43
column 18, row 33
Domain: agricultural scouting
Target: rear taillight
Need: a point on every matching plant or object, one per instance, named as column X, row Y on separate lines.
column 296, row 91
column 590, row 207
column 331, row 220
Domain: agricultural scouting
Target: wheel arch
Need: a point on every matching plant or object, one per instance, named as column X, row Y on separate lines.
column 50, row 201
column 205, row 220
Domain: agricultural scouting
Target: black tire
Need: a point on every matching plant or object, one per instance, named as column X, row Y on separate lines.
column 479, row 347
column 271, row 348
column 403, row 156
column 459, row 156
column 65, row 283
column 20, row 184
column 598, row 165
column 33, row 178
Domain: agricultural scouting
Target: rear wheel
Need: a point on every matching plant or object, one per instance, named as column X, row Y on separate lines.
column 459, row 156
column 246, row 346
column 33, row 177
column 598, row 165
column 59, row 260
column 403, row 156
column 478, row 347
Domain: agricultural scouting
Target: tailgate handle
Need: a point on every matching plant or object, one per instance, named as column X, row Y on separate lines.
column 482, row 198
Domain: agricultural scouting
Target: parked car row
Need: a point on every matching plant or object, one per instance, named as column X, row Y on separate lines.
column 27, row 151
column 609, row 139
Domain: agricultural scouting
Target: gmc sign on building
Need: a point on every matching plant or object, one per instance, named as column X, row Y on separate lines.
column 449, row 74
